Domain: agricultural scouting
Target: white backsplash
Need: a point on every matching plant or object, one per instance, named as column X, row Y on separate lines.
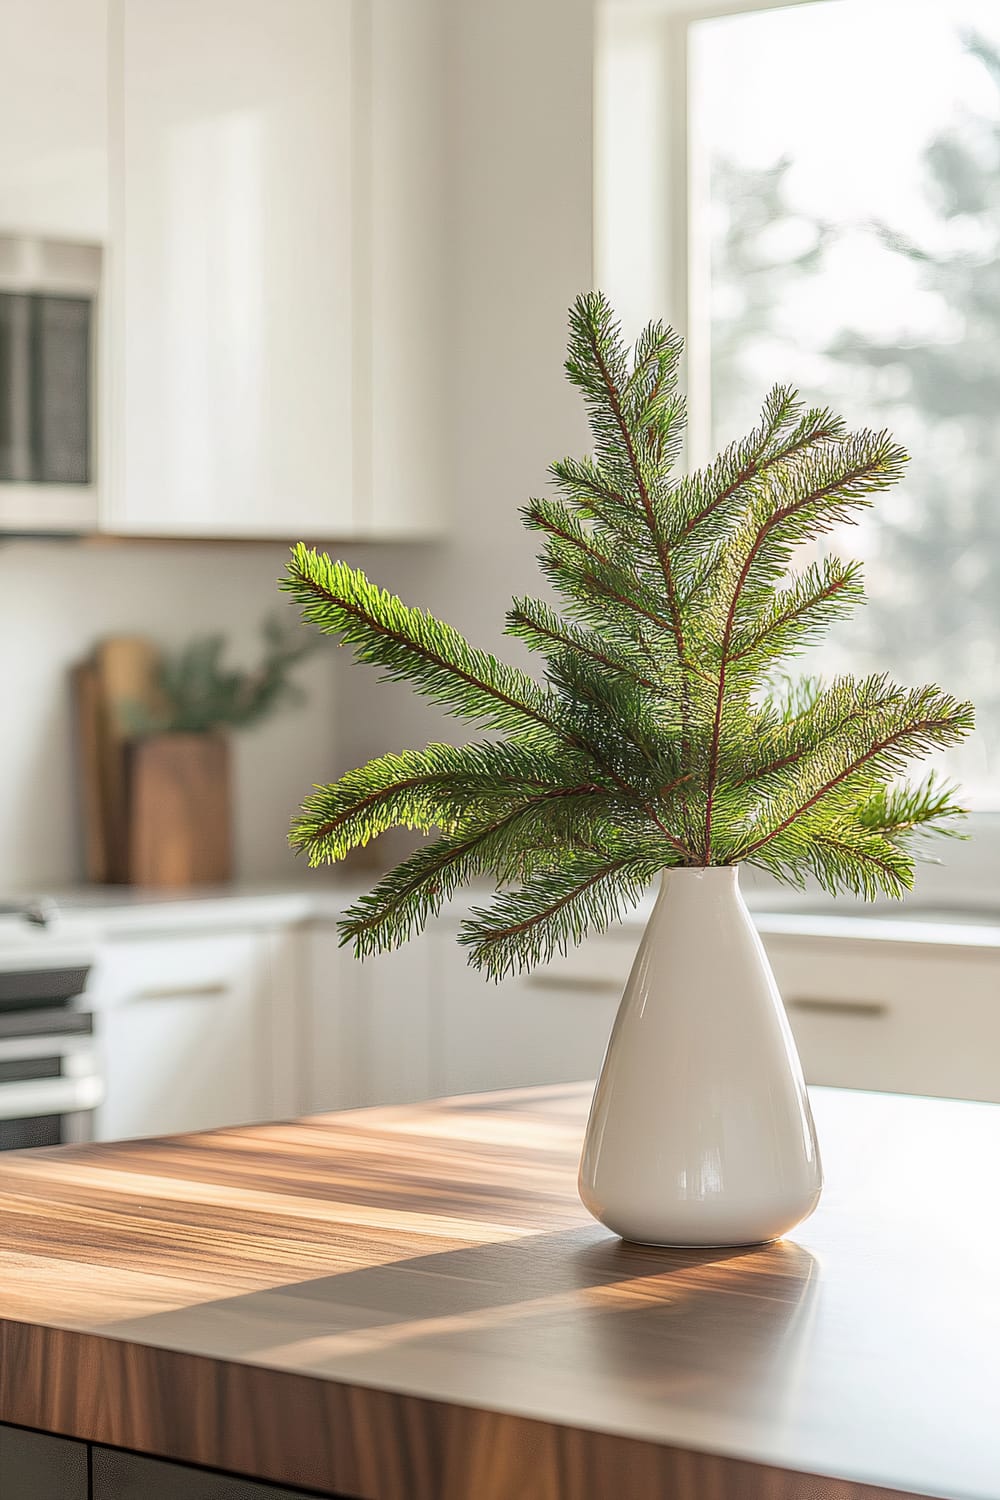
column 56, row 599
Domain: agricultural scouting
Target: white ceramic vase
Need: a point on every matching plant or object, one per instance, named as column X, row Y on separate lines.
column 700, row 1132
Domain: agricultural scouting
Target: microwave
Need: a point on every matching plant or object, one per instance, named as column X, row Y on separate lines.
column 49, row 299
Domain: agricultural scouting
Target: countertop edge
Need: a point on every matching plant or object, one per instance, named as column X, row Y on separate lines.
column 263, row 1413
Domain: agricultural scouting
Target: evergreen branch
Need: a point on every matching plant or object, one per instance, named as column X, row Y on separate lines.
column 420, row 789
column 555, row 909
column 946, row 723
column 591, row 322
column 413, row 646
column 796, row 614
column 400, row 904
column 868, row 866
column 822, row 713
column 713, row 762
column 593, row 494
column 600, row 704
column 658, row 353
column 552, row 517
column 582, row 584
column 679, row 601
column 542, row 629
column 581, row 479
column 756, row 455
column 580, row 568
column 802, row 502
column 799, row 501
column 898, row 811
column 872, row 462
column 844, row 856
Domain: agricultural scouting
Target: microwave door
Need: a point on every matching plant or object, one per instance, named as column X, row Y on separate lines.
column 49, row 359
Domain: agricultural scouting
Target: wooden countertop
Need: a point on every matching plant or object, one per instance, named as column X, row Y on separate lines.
column 411, row 1304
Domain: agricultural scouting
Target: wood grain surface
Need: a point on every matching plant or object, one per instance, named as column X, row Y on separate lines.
column 411, row 1304
column 180, row 817
column 126, row 669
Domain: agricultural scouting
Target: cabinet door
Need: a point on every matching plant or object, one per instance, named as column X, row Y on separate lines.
column 892, row 1016
column 548, row 1026
column 53, row 119
column 182, row 1028
column 370, row 1033
column 332, row 1025
column 36, row 1466
column 128, row 1476
column 231, row 270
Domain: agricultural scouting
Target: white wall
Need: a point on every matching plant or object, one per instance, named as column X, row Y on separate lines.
column 519, row 241
column 56, row 599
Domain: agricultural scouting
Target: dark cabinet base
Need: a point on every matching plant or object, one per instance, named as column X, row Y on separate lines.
column 38, row 1466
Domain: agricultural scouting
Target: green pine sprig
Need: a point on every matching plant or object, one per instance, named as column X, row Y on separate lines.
column 661, row 734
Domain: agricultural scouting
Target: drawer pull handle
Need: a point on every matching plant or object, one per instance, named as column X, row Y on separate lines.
column 816, row 1006
column 581, row 984
column 182, row 991
column 50, row 1096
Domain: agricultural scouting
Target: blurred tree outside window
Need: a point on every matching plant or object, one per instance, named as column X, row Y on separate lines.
column 850, row 153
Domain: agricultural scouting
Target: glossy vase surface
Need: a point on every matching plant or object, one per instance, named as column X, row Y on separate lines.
column 700, row 1132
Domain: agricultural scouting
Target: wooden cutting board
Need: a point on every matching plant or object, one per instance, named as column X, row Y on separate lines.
column 89, row 729
column 127, row 669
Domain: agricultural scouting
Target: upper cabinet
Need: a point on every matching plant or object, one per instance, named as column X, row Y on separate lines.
column 53, row 221
column 53, row 120
column 231, row 268
column 265, row 178
column 272, row 322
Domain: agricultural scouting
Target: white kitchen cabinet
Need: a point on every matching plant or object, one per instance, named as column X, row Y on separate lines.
column 53, row 119
column 231, row 267
column 332, row 1025
column 214, row 1014
column 183, row 1025
column 549, row 1026
column 897, row 1017
column 873, row 1015
column 274, row 281
column 419, row 1022
column 370, row 1030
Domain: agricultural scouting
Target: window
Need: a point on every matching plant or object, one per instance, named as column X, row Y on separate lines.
column 832, row 171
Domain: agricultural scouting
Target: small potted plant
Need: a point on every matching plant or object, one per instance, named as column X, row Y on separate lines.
column 178, row 773
column 660, row 744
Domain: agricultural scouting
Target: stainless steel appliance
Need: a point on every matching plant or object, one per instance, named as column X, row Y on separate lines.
column 50, row 1081
column 49, row 329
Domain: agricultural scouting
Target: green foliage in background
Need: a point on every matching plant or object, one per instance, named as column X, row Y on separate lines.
column 662, row 735
column 198, row 693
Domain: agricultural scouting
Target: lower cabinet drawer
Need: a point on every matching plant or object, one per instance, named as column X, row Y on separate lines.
column 128, row 1476
column 547, row 1026
column 902, row 1020
column 181, row 1023
column 599, row 966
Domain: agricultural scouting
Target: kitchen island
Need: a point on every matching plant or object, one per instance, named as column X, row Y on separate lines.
column 410, row 1304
